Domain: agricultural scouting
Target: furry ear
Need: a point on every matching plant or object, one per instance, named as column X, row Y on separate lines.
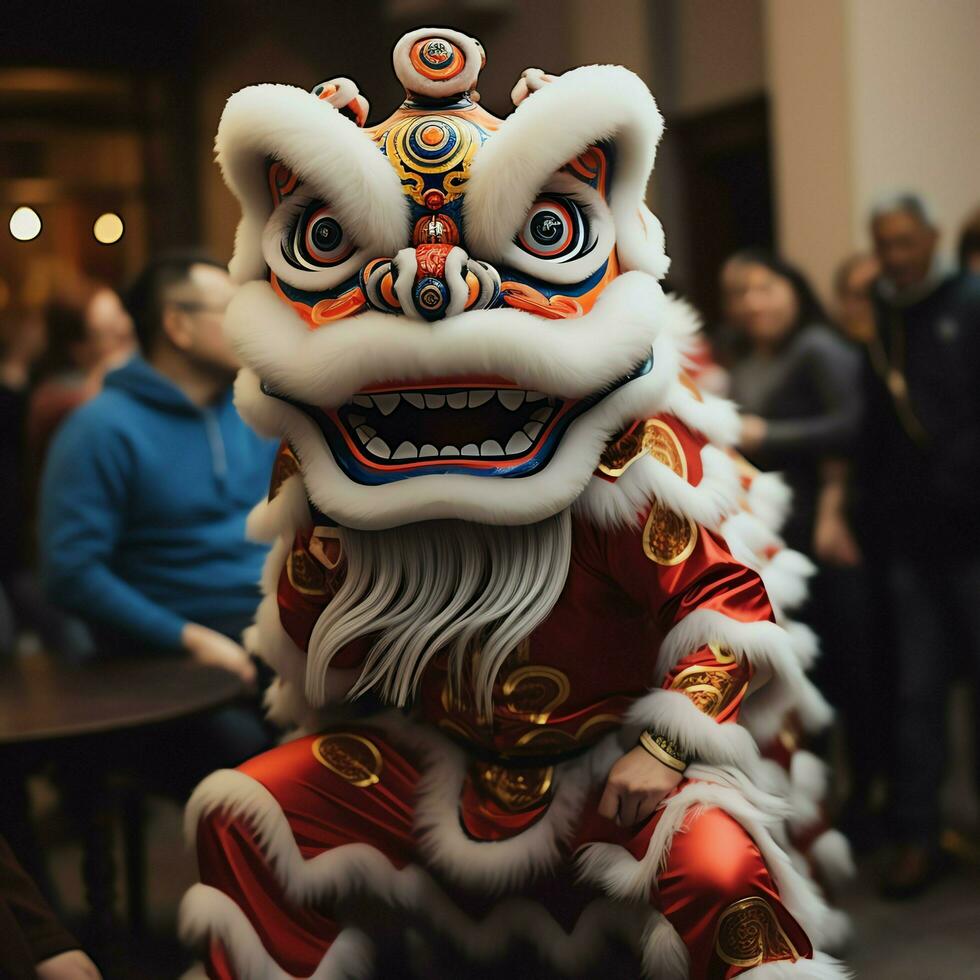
column 323, row 148
column 554, row 124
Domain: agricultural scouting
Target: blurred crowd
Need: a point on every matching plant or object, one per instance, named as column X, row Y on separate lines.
column 871, row 411
column 128, row 475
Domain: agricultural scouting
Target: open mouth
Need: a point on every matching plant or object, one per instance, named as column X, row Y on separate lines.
column 480, row 426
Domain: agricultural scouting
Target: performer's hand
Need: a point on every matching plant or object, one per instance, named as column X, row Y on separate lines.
column 636, row 785
column 73, row 965
column 210, row 647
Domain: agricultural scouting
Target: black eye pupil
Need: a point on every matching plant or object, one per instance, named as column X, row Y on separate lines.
column 547, row 227
column 327, row 234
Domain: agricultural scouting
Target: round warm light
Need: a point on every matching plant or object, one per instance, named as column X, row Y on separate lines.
column 25, row 224
column 108, row 228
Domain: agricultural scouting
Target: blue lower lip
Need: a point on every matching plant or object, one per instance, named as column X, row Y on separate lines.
column 376, row 476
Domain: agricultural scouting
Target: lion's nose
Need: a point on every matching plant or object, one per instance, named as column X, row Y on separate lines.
column 432, row 281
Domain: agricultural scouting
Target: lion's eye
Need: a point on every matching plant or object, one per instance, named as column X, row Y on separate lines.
column 317, row 240
column 556, row 229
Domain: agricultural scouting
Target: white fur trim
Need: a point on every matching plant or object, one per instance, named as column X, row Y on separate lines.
column 664, row 955
column 284, row 515
column 611, row 505
column 328, row 152
column 616, row 871
column 552, row 126
column 674, row 715
column 463, row 81
column 831, row 853
column 335, row 874
column 207, row 913
column 325, row 367
column 806, row 644
column 785, row 577
column 821, row 967
column 770, row 499
column 762, row 644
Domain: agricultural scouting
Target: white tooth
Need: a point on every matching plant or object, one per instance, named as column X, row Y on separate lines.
column 428, row 450
column 517, row 443
column 457, row 399
column 470, row 449
column 535, row 396
column 363, row 401
column 406, row 450
column 541, row 415
column 379, row 447
column 387, row 403
column 449, row 451
column 491, row 448
column 510, row 398
column 478, row 398
column 532, row 429
column 365, row 432
column 435, row 401
column 356, row 420
column 414, row 399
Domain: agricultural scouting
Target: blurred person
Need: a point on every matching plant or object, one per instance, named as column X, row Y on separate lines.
column 796, row 383
column 34, row 945
column 853, row 282
column 968, row 248
column 145, row 495
column 89, row 333
column 920, row 467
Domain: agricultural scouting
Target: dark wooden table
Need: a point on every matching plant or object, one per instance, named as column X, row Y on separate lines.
column 72, row 715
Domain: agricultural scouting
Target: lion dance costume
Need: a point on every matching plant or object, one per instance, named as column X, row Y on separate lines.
column 510, row 544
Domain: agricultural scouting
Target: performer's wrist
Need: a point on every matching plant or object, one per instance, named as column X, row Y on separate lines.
column 664, row 750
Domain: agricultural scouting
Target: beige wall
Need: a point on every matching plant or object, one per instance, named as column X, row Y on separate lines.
column 719, row 52
column 809, row 103
column 915, row 104
column 869, row 96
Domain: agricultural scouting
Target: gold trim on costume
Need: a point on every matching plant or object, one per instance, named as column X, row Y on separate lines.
column 711, row 689
column 323, row 533
column 354, row 757
column 721, row 655
column 533, row 692
column 515, row 790
column 654, row 438
column 668, row 538
column 663, row 750
column 749, row 933
column 306, row 575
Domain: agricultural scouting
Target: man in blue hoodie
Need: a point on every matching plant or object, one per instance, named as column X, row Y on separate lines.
column 146, row 489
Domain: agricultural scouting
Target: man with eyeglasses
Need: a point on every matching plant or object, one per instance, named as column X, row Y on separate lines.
column 145, row 494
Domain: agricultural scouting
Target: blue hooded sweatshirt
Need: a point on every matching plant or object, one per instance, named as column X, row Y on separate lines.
column 143, row 506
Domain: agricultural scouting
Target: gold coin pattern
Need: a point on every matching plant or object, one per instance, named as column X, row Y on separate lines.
column 749, row 934
column 351, row 756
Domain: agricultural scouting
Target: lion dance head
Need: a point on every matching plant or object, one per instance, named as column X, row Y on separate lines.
column 448, row 314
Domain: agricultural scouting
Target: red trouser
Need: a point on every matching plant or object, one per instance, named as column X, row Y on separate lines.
column 712, row 866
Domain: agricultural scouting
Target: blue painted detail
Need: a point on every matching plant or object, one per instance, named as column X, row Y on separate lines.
column 431, row 296
column 550, row 289
column 372, row 477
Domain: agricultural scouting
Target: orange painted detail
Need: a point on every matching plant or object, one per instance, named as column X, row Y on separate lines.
column 327, row 310
column 431, row 136
column 328, row 90
column 431, row 260
column 442, row 59
column 435, row 229
column 521, row 296
column 282, row 181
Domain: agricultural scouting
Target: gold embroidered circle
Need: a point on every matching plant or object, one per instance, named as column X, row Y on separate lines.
column 668, row 538
column 354, row 757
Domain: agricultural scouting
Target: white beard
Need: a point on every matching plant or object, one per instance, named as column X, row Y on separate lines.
column 439, row 586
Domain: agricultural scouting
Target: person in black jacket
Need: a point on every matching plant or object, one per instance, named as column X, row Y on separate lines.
column 920, row 467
